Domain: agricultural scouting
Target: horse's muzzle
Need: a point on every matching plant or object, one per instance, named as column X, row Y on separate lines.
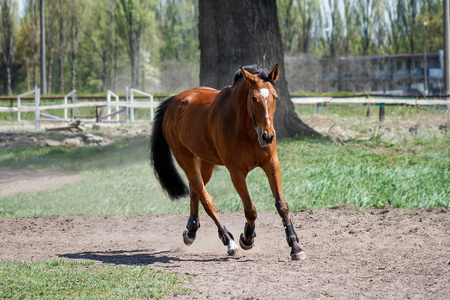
column 265, row 138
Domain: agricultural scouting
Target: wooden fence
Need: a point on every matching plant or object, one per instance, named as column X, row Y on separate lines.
column 380, row 101
column 129, row 105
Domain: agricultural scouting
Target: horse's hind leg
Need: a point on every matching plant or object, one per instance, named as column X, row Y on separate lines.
column 193, row 223
column 192, row 167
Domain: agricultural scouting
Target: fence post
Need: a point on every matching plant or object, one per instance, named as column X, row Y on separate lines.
column 117, row 108
column 65, row 109
column 37, row 102
column 73, row 102
column 65, row 103
column 382, row 105
column 98, row 114
column 319, row 108
column 108, row 99
column 127, row 108
column 18, row 112
column 151, row 109
column 131, row 108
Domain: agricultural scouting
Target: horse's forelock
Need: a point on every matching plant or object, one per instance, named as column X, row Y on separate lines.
column 255, row 70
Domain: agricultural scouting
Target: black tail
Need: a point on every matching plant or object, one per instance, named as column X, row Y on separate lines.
column 161, row 158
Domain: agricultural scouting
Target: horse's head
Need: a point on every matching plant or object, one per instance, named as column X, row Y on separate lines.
column 262, row 98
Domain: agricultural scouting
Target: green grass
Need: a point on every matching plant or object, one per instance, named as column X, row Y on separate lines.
column 64, row 279
column 315, row 174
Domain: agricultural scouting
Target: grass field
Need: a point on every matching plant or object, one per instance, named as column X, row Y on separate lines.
column 64, row 279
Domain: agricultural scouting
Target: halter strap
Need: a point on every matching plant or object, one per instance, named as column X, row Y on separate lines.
column 253, row 114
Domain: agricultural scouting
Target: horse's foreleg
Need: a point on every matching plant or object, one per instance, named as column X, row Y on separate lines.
column 272, row 171
column 246, row 239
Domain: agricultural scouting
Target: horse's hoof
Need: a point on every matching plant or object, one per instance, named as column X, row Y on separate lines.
column 186, row 239
column 298, row 256
column 243, row 244
column 233, row 249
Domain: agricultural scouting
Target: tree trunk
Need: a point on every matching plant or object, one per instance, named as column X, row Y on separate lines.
column 73, row 56
column 49, row 80
column 236, row 33
column 61, row 47
column 28, row 73
column 8, row 71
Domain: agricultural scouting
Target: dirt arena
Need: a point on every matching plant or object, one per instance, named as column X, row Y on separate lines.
column 351, row 253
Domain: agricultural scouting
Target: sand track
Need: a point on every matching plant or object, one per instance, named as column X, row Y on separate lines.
column 371, row 253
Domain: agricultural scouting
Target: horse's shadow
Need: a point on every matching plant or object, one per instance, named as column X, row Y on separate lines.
column 138, row 257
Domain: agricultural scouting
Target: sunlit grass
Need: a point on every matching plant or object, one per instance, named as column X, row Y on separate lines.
column 64, row 279
column 315, row 174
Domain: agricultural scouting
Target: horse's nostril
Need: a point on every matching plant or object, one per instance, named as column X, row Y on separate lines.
column 264, row 136
column 267, row 137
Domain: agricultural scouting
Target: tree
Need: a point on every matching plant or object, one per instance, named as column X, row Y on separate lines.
column 369, row 15
column 8, row 41
column 236, row 33
column 51, row 29
column 334, row 30
column 75, row 19
column 135, row 19
column 177, row 22
column 28, row 40
column 393, row 8
column 62, row 41
column 101, row 32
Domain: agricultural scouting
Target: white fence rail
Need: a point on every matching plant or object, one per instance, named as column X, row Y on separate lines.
column 134, row 91
column 132, row 105
column 364, row 100
column 108, row 99
column 73, row 94
column 382, row 102
column 38, row 109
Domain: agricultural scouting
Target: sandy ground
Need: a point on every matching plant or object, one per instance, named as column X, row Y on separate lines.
column 364, row 254
column 13, row 181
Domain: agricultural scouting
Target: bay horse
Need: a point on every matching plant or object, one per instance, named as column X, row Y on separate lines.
column 204, row 127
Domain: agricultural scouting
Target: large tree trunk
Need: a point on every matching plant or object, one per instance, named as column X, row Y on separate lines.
column 236, row 33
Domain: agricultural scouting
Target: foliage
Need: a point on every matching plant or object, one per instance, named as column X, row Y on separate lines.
column 359, row 27
column 91, row 47
column 63, row 279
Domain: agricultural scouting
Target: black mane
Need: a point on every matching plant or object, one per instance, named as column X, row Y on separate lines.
column 256, row 70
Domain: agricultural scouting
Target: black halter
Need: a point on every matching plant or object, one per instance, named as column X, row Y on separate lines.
column 253, row 114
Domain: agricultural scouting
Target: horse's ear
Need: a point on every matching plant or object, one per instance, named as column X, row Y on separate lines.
column 273, row 75
column 249, row 77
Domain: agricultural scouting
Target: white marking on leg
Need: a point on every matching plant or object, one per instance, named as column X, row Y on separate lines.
column 232, row 248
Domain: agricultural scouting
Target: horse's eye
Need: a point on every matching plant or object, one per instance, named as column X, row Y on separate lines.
column 254, row 99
